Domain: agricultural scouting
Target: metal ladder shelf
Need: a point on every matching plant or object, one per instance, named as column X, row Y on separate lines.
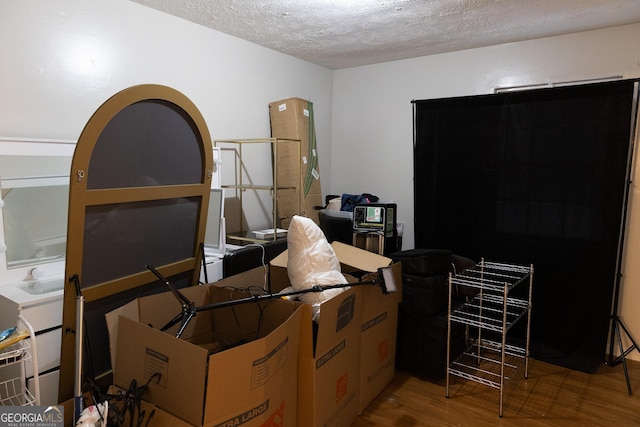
column 14, row 391
column 489, row 359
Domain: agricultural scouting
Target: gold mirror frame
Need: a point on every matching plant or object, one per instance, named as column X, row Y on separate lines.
column 81, row 198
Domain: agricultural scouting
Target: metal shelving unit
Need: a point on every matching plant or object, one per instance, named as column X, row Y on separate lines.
column 240, row 184
column 488, row 316
column 14, row 391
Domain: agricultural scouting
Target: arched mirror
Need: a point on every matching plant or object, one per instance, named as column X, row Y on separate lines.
column 138, row 195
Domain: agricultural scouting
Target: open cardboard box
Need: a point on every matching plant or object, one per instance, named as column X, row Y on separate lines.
column 153, row 416
column 231, row 366
column 352, row 357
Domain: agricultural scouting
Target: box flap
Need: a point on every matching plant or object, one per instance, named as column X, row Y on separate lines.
column 278, row 274
column 359, row 258
column 281, row 260
column 348, row 255
column 149, row 351
column 129, row 310
column 145, row 310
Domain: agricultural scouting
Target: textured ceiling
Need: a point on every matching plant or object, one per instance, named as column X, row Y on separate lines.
column 347, row 33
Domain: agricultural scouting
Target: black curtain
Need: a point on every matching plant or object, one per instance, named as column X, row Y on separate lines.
column 536, row 177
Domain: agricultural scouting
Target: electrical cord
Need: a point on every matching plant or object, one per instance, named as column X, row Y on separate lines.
column 131, row 403
column 253, row 291
column 264, row 264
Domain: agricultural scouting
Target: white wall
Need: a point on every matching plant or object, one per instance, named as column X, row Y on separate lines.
column 372, row 115
column 61, row 59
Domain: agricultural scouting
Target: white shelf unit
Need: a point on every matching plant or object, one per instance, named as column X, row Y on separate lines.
column 243, row 182
column 14, row 391
column 43, row 312
column 490, row 359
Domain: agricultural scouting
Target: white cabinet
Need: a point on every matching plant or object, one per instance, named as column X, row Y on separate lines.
column 34, row 180
column 44, row 313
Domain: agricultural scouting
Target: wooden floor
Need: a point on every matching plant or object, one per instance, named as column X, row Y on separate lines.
column 551, row 396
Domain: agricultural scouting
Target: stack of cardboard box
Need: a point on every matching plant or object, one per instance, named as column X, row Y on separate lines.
column 263, row 363
column 352, row 357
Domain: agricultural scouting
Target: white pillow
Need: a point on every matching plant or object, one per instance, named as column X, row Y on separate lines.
column 312, row 261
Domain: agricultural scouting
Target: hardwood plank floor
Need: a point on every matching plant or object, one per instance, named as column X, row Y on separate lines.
column 551, row 396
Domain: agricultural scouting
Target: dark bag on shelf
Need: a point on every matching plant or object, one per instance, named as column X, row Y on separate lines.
column 460, row 264
column 349, row 201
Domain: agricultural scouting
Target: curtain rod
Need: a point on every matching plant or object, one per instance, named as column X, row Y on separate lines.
column 501, row 89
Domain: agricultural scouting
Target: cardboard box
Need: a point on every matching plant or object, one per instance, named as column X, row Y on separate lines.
column 153, row 416
column 293, row 119
column 146, row 414
column 337, row 375
column 231, row 366
column 379, row 322
column 329, row 371
column 377, row 342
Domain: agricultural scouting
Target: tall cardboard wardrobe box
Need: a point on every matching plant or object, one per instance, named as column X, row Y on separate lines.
column 293, row 119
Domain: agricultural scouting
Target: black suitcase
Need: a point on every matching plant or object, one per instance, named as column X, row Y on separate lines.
column 422, row 318
column 422, row 344
column 425, row 296
column 424, row 262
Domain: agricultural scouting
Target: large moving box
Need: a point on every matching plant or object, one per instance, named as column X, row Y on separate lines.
column 329, row 371
column 377, row 343
column 379, row 323
column 148, row 413
column 293, row 119
column 231, row 366
column 338, row 371
column 342, row 362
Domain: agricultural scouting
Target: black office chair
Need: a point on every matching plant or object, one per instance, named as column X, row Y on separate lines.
column 336, row 228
